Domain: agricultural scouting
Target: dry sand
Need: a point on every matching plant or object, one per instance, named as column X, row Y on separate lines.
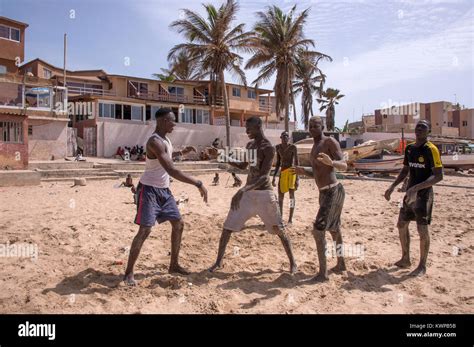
column 83, row 235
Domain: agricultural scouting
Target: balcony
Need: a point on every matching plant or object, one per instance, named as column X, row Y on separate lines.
column 89, row 91
column 178, row 98
column 14, row 95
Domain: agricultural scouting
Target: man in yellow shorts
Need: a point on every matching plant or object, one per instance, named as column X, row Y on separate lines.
column 286, row 157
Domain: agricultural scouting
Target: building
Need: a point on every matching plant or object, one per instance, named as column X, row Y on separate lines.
column 362, row 126
column 33, row 113
column 440, row 114
column 105, row 111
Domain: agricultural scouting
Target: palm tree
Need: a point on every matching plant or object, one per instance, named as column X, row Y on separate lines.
column 278, row 37
column 309, row 80
column 211, row 45
column 331, row 97
column 166, row 75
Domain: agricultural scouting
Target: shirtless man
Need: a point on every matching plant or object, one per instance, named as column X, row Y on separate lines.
column 155, row 201
column 256, row 197
column 423, row 162
column 326, row 157
column 286, row 157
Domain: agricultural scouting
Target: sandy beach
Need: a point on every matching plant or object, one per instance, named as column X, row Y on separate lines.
column 83, row 235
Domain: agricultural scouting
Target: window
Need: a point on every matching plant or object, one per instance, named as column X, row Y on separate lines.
column 135, row 88
column 127, row 112
column 384, row 116
column 11, row 132
column 464, row 123
column 450, row 124
column 137, row 113
column 3, row 69
column 187, row 116
column 9, row 33
column 202, row 116
column 236, row 91
column 118, row 111
column 30, row 130
column 177, row 92
column 106, row 110
column 251, row 94
column 46, row 73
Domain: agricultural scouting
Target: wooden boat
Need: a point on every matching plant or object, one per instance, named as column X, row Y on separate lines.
column 458, row 162
column 379, row 165
column 351, row 154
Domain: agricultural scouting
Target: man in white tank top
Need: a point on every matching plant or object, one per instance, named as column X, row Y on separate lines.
column 155, row 202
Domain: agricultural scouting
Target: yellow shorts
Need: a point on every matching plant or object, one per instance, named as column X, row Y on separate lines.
column 287, row 180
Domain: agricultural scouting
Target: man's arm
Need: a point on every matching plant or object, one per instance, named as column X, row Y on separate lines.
column 335, row 149
column 436, row 177
column 158, row 150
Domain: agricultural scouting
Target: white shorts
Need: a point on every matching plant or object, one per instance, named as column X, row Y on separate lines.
column 262, row 203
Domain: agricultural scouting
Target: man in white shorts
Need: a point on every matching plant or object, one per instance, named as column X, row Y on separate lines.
column 256, row 198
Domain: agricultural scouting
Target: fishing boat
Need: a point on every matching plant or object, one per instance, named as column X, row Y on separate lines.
column 387, row 165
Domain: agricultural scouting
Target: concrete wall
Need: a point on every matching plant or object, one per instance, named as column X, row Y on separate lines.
column 111, row 134
column 49, row 139
column 14, row 155
column 19, row 178
column 11, row 49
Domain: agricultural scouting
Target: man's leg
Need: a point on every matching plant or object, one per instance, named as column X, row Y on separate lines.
column 337, row 238
column 287, row 246
column 424, row 249
column 319, row 237
column 405, row 243
column 225, row 237
column 177, row 227
column 137, row 244
column 292, row 206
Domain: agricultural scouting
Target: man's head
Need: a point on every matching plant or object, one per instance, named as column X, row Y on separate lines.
column 422, row 129
column 165, row 120
column 284, row 137
column 316, row 126
column 253, row 127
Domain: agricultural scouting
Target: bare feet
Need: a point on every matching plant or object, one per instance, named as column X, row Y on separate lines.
column 215, row 267
column 320, row 278
column 419, row 271
column 403, row 263
column 178, row 269
column 340, row 267
column 129, row 280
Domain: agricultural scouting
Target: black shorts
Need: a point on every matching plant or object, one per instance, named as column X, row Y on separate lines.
column 155, row 204
column 330, row 208
column 420, row 210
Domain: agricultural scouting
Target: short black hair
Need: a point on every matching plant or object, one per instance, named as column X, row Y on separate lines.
column 284, row 133
column 425, row 123
column 162, row 112
column 254, row 120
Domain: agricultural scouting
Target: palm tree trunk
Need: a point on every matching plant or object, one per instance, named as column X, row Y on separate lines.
column 226, row 109
column 287, row 100
column 293, row 103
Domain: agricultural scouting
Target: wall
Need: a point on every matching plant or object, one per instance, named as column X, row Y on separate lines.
column 14, row 155
column 12, row 49
column 49, row 139
column 112, row 134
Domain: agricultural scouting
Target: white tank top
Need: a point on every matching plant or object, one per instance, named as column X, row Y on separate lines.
column 155, row 175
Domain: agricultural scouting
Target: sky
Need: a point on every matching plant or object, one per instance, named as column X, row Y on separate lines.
column 384, row 51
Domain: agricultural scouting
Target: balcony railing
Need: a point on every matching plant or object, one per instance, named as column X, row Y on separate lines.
column 181, row 99
column 33, row 97
column 90, row 91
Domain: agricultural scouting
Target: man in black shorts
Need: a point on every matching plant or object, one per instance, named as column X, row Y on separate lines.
column 326, row 157
column 423, row 163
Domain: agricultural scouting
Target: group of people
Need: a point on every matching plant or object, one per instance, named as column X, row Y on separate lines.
column 156, row 202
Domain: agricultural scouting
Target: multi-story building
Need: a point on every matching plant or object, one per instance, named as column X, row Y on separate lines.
column 444, row 119
column 33, row 113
